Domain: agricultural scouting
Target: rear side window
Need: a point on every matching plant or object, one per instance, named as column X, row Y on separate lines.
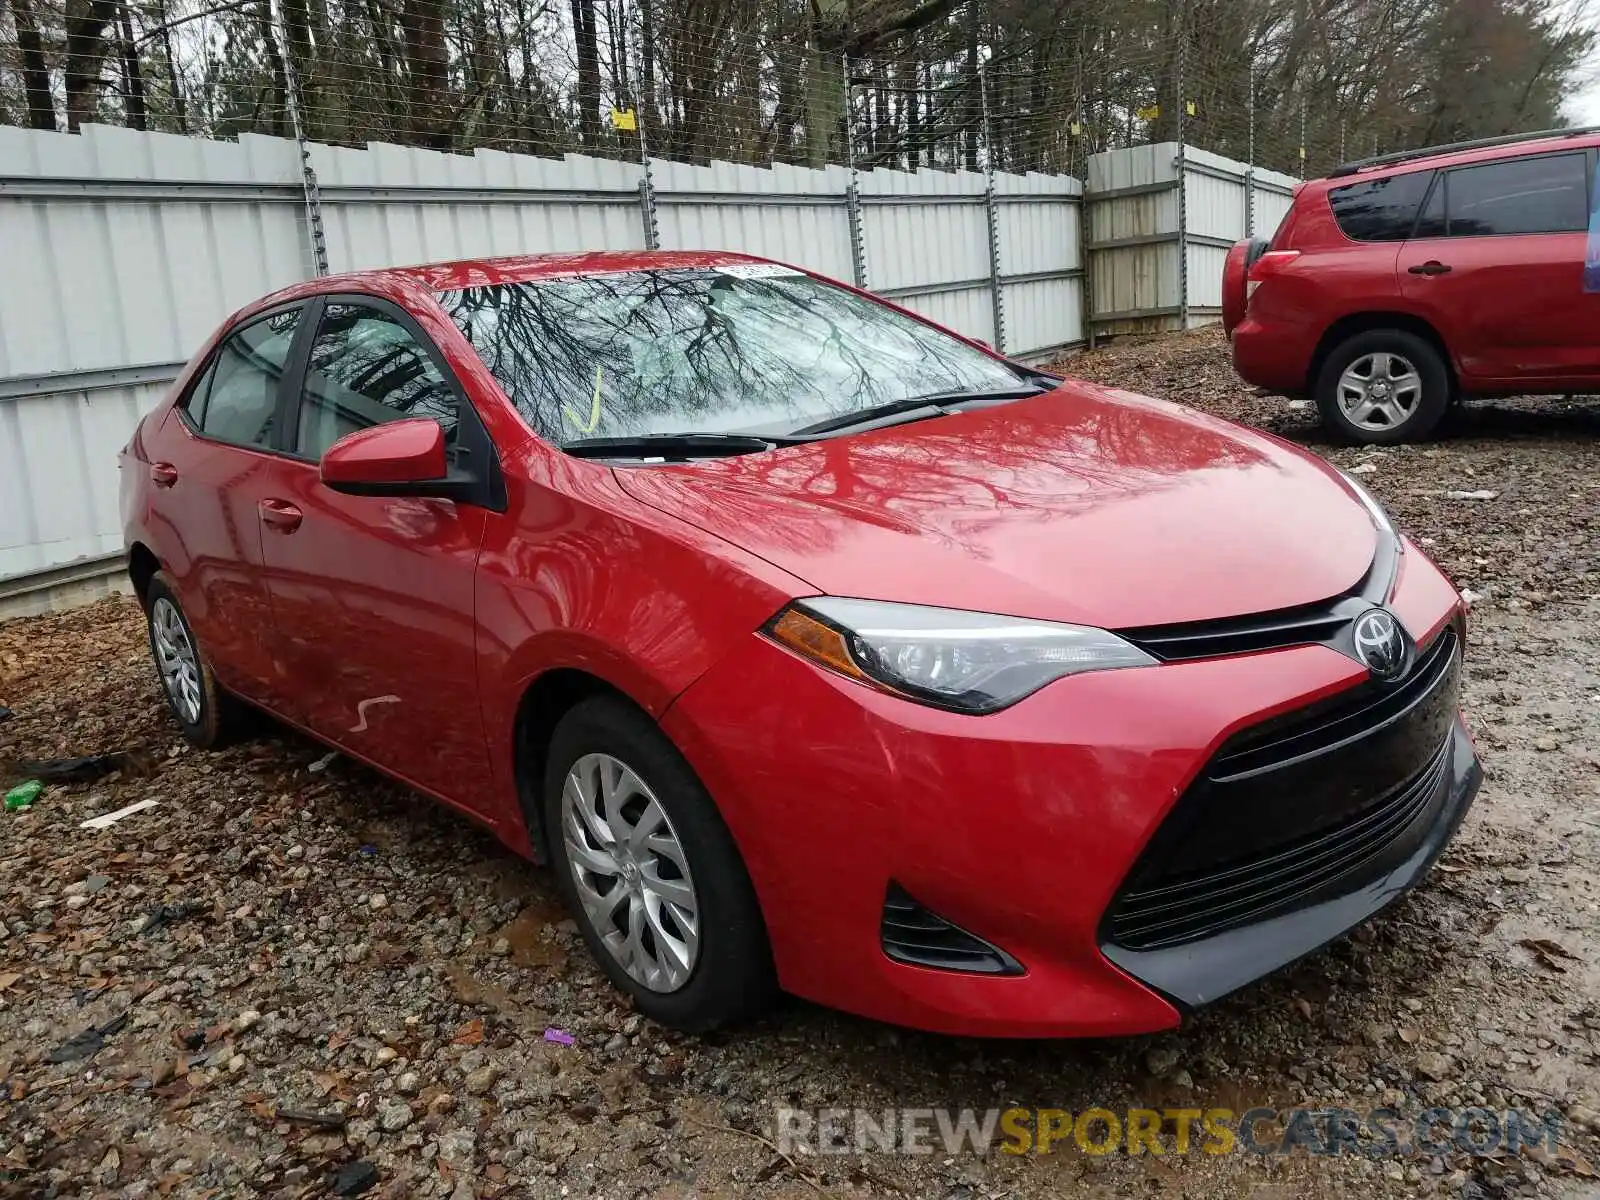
column 237, row 397
column 1528, row 195
column 1380, row 210
column 366, row 369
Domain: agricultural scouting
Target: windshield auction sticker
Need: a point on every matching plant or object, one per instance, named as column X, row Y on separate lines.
column 757, row 271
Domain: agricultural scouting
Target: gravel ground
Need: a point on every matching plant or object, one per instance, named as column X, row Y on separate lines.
column 293, row 968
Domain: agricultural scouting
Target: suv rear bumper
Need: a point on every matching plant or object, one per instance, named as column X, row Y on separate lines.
column 1275, row 355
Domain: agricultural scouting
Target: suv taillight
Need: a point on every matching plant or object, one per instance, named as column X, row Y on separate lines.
column 1265, row 267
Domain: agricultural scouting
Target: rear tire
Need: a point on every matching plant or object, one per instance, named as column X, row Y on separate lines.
column 208, row 716
column 1382, row 387
column 662, row 897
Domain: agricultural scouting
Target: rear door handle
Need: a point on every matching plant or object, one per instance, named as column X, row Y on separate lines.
column 1432, row 267
column 163, row 475
column 280, row 515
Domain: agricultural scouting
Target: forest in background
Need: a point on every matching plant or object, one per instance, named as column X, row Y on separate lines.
column 946, row 83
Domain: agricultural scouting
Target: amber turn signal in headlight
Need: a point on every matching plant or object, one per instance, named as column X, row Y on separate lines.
column 965, row 661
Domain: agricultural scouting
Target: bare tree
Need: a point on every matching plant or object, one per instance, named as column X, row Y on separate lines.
column 87, row 24
column 35, row 71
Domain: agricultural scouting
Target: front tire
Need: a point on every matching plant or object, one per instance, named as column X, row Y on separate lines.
column 208, row 716
column 1382, row 387
column 651, row 873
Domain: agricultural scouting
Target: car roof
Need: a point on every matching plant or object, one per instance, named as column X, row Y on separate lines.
column 1433, row 158
column 407, row 282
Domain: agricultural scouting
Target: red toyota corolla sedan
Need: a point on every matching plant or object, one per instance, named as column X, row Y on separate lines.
column 812, row 645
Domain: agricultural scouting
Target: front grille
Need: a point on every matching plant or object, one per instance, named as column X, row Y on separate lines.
column 1290, row 810
column 1324, row 624
column 912, row 934
column 1244, row 635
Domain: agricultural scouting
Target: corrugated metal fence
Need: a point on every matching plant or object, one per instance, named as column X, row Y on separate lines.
column 1160, row 221
column 123, row 250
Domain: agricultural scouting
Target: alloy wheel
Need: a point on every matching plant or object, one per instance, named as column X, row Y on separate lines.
column 1379, row 391
column 176, row 659
column 631, row 872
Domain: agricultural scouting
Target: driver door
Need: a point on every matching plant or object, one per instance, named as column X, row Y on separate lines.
column 373, row 596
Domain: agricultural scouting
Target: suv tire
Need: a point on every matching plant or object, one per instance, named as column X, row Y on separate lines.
column 1382, row 387
column 650, row 872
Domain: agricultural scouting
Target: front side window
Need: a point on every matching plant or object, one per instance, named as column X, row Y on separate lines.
column 366, row 368
column 1431, row 223
column 1549, row 194
column 237, row 397
column 1380, row 210
column 741, row 348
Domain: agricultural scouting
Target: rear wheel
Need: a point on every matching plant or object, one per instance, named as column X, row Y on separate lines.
column 1383, row 386
column 651, row 873
column 208, row 716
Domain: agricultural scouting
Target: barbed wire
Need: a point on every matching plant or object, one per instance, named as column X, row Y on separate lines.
column 739, row 82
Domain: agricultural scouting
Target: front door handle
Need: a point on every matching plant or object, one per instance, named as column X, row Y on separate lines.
column 280, row 515
column 1432, row 267
column 163, row 474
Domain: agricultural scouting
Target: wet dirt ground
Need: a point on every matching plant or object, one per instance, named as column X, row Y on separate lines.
column 295, row 969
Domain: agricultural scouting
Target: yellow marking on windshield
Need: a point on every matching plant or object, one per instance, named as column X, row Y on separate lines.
column 594, row 405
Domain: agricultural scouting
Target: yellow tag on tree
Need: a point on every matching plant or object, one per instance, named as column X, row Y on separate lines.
column 1075, row 129
column 1191, row 107
column 1148, row 114
column 624, row 120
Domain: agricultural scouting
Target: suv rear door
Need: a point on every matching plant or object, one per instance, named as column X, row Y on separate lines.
column 1496, row 264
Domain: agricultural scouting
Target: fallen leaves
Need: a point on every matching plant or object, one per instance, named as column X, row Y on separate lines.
column 1549, row 954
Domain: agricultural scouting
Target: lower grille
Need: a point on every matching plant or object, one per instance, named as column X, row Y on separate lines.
column 1292, row 809
column 912, row 934
column 1294, row 876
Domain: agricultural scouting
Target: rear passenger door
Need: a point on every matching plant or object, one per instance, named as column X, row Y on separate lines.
column 213, row 462
column 1496, row 263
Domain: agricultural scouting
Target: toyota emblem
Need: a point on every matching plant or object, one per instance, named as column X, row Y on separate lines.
column 1380, row 644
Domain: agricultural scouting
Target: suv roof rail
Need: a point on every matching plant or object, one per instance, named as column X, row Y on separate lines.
column 1505, row 139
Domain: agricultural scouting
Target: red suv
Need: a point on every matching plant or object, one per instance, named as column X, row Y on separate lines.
column 1400, row 284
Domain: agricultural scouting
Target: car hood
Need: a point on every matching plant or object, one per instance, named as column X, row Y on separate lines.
column 1086, row 504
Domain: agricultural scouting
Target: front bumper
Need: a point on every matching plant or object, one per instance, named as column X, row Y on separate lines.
column 1020, row 828
column 1199, row 972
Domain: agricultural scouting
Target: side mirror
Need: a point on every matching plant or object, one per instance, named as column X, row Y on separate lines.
column 397, row 458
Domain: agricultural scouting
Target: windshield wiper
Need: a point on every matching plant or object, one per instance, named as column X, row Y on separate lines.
column 931, row 405
column 673, row 445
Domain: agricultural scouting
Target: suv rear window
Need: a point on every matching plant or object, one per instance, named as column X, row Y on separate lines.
column 1380, row 210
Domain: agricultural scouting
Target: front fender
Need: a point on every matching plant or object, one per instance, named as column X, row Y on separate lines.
column 577, row 575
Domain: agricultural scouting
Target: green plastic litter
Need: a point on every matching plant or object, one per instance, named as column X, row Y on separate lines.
column 23, row 795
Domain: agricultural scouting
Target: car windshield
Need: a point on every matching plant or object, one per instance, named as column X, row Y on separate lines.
column 744, row 347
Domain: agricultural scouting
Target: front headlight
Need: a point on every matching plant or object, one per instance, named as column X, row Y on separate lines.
column 966, row 661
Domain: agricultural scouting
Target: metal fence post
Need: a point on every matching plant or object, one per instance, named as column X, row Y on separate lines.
column 1302, row 136
column 852, row 194
column 992, row 208
column 647, row 190
column 1250, row 160
column 1182, row 168
column 647, row 183
column 308, row 173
